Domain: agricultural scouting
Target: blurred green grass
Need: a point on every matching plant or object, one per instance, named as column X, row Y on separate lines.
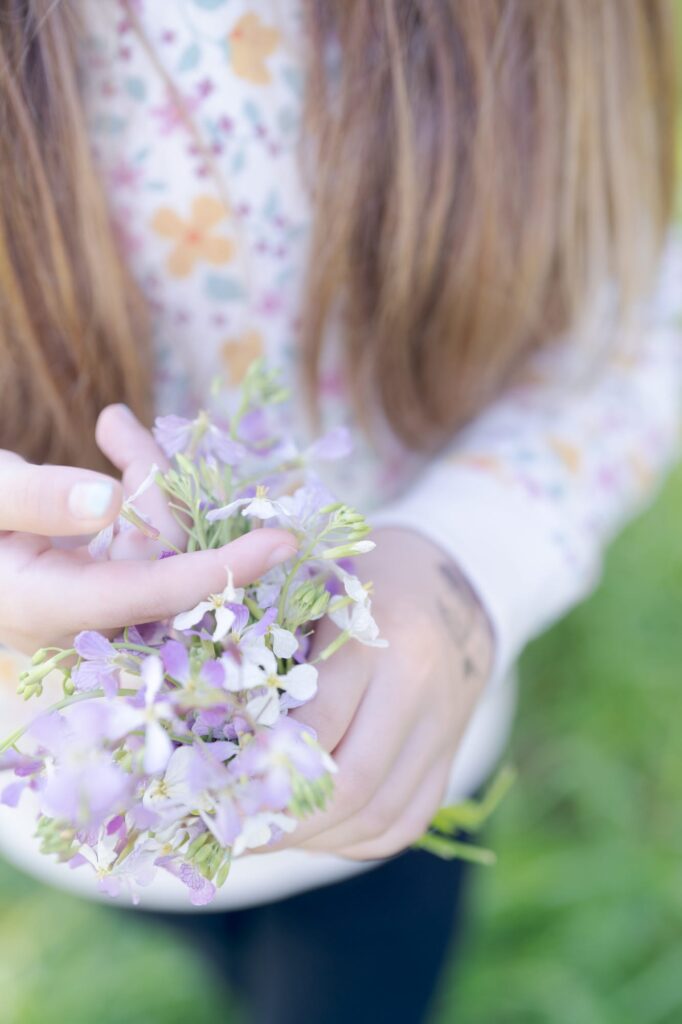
column 580, row 922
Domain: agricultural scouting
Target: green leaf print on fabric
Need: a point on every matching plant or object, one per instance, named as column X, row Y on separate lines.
column 223, row 289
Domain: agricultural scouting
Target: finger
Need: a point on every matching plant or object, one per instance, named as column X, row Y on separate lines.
column 132, row 448
column 412, row 824
column 55, row 501
column 342, row 682
column 414, row 762
column 364, row 757
column 70, row 592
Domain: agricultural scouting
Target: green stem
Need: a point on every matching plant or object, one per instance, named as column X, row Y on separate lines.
column 253, row 608
column 123, row 645
column 169, row 544
column 294, row 569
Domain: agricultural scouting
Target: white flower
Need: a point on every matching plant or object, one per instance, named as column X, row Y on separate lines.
column 216, row 603
column 172, row 796
column 260, row 507
column 158, row 747
column 99, row 546
column 259, row 671
column 257, row 830
column 355, row 616
column 284, row 643
column 118, row 876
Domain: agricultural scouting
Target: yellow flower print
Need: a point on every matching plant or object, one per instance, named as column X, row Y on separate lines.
column 568, row 453
column 237, row 354
column 251, row 43
column 194, row 238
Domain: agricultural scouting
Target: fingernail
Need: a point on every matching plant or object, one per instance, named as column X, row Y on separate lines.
column 90, row 500
column 126, row 411
column 281, row 554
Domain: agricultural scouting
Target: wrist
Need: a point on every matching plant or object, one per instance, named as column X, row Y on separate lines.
column 407, row 567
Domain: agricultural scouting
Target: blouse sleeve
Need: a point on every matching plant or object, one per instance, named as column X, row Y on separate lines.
column 527, row 497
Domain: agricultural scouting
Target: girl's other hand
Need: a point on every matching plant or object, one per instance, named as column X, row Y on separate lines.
column 393, row 718
column 50, row 593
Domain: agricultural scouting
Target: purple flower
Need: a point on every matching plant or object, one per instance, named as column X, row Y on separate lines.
column 26, row 769
column 21, row 764
column 336, row 444
column 175, row 660
column 199, row 437
column 275, row 756
column 97, row 669
column 201, row 890
column 86, row 788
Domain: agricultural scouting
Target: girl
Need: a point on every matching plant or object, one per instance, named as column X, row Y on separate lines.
column 443, row 219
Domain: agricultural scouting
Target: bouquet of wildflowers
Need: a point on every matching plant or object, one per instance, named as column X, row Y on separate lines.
column 172, row 748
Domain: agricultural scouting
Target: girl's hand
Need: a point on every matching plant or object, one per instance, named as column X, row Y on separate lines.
column 393, row 718
column 50, row 593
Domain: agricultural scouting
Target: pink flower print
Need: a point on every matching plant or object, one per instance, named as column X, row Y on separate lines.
column 205, row 88
column 171, row 116
column 270, row 304
column 125, row 175
column 128, row 239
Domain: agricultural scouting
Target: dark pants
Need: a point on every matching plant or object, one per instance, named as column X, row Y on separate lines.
column 367, row 950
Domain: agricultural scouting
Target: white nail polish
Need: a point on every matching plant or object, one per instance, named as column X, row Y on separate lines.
column 90, row 500
column 125, row 410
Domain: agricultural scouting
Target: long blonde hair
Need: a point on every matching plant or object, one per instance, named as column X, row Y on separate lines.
column 477, row 169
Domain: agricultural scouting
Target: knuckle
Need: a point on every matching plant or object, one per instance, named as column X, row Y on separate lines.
column 21, row 494
column 379, row 815
column 353, row 792
column 323, row 718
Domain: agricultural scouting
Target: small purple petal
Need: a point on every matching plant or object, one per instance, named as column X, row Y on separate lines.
column 172, row 433
column 261, row 627
column 93, row 646
column 213, row 673
column 12, row 794
column 21, row 764
column 175, row 660
column 116, row 824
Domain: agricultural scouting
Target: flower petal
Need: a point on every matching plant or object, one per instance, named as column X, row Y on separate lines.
column 158, row 749
column 152, row 675
column 185, row 620
column 93, row 646
column 284, row 643
column 264, row 709
column 301, row 682
column 224, row 618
